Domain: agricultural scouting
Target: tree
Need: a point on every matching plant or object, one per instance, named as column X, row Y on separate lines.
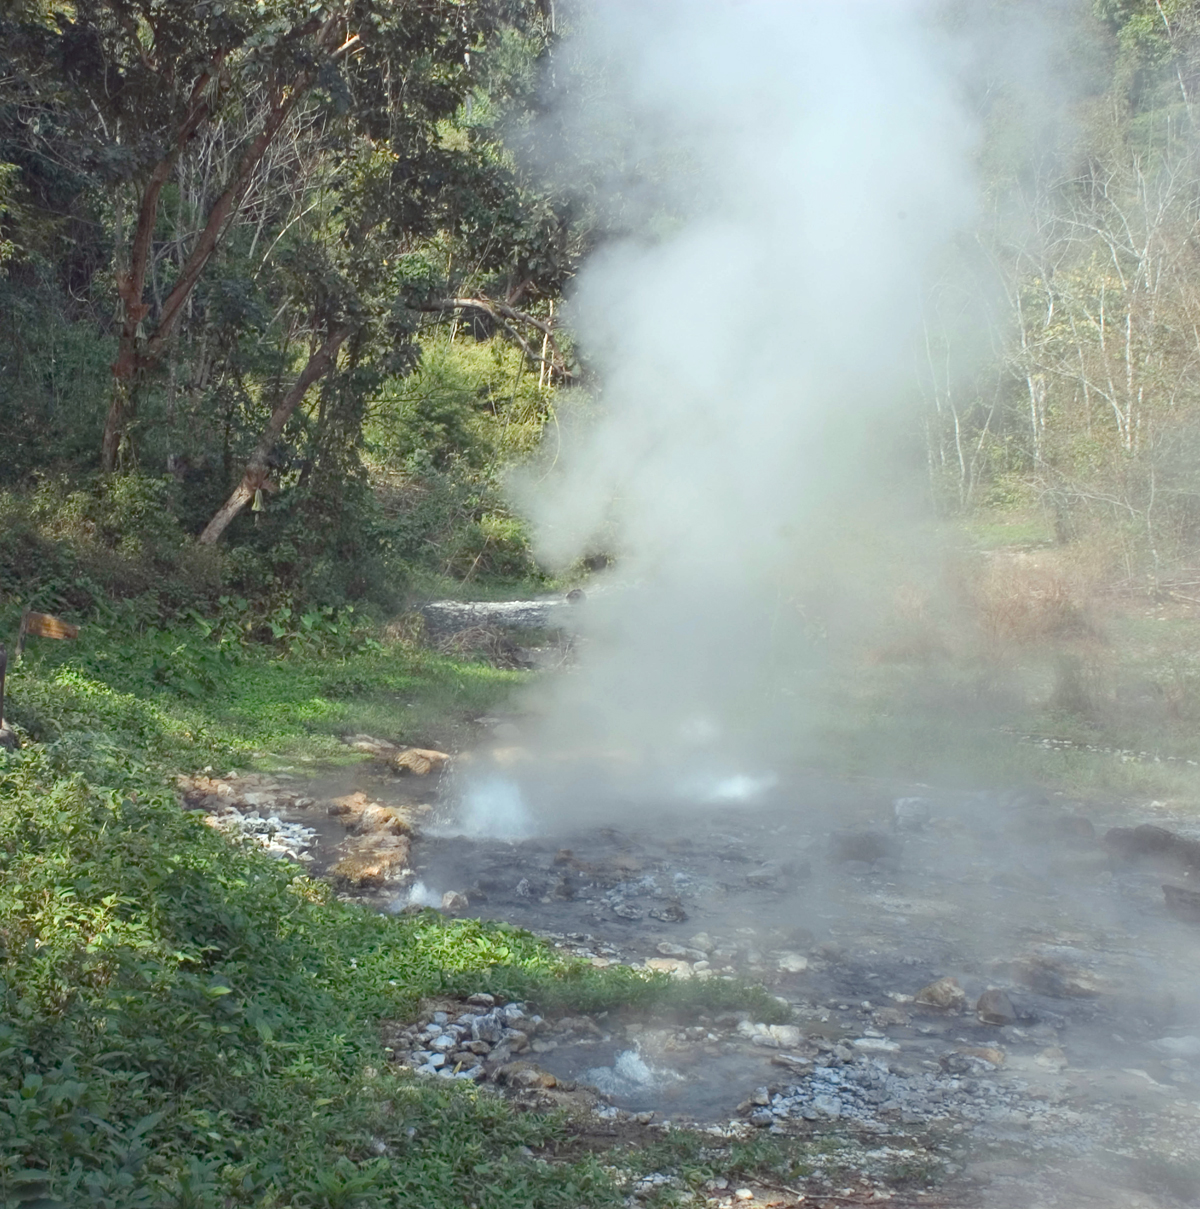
column 134, row 84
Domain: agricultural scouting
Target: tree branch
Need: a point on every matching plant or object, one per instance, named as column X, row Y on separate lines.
column 257, row 468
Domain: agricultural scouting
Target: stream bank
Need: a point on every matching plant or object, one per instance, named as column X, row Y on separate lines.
column 977, row 979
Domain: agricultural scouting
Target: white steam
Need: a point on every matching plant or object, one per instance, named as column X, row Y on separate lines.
column 792, row 169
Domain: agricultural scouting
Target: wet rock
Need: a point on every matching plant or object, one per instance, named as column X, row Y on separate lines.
column 1129, row 843
column 580, row 1024
column 1054, row 975
column 792, row 963
column 1184, row 904
column 670, row 912
column 990, row 1054
column 371, row 861
column 864, row 846
column 794, row 1063
column 773, row 1036
column 454, row 902
column 371, row 746
column 944, row 994
column 1052, row 1057
column 481, row 999
column 524, row 1075
column 349, row 804
column 890, row 1017
column 623, row 910
column 912, row 814
column 489, row 1028
column 419, row 761
column 375, row 818
column 876, row 1045
column 995, row 1007
column 1178, row 1047
column 703, row 942
column 762, row 1117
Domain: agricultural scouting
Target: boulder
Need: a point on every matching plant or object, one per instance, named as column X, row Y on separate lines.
column 995, row 1007
column 945, row 994
column 370, row 862
column 865, row 846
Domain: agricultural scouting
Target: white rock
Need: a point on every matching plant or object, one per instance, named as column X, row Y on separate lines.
column 876, row 1045
column 792, row 963
column 785, row 1035
column 1178, row 1047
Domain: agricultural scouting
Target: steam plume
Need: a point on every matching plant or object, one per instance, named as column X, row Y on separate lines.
column 789, row 170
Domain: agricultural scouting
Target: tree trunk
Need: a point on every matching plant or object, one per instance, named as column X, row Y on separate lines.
column 257, row 469
column 136, row 352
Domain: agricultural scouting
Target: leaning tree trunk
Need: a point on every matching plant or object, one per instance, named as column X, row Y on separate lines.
column 257, row 468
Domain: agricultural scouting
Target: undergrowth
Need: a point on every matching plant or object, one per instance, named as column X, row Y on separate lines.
column 186, row 1022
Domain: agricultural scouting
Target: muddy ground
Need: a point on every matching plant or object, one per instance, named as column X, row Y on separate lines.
column 976, row 981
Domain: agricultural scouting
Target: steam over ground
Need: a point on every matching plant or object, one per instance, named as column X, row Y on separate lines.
column 788, row 172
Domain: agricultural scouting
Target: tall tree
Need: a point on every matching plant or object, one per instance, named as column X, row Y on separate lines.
column 139, row 81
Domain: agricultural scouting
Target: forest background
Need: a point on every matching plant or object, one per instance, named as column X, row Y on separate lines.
column 282, row 287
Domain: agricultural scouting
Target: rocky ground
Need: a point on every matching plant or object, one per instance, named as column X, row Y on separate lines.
column 987, row 987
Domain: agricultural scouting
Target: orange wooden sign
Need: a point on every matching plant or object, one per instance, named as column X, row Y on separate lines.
column 42, row 625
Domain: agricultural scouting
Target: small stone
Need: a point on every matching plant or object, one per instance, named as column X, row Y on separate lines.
column 643, row 1118
column 624, row 910
column 481, row 999
column 454, row 902
column 995, row 1007
column 944, row 994
column 762, row 1117
column 670, row 912
column 669, row 965
column 876, row 1045
column 703, row 942
column 1052, row 1057
column 743, row 1194
column 985, row 1053
column 667, row 949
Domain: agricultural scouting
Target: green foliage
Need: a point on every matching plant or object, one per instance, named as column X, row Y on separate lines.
column 184, row 1021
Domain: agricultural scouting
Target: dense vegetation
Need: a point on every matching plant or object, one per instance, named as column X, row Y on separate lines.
column 271, row 268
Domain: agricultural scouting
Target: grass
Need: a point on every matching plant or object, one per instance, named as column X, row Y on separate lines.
column 198, row 700
column 186, row 1022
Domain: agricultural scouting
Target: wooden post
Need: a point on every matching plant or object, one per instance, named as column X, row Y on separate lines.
column 7, row 737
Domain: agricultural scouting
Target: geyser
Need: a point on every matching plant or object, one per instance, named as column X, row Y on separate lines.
column 788, row 172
